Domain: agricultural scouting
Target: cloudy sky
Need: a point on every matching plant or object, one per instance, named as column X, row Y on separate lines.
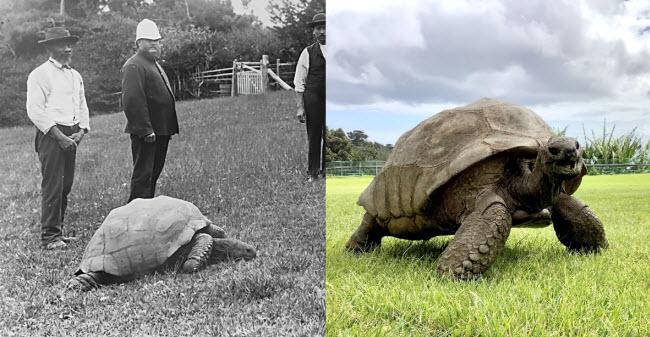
column 392, row 64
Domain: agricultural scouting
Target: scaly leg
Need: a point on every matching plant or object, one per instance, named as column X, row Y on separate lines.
column 367, row 237
column 200, row 250
column 90, row 281
column 478, row 241
column 214, row 231
column 577, row 227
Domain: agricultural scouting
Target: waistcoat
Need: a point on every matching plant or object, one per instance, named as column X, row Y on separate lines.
column 316, row 75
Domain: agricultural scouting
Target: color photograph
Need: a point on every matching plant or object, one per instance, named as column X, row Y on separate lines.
column 488, row 168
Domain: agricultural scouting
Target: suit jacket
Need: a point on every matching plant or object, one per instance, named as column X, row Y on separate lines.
column 147, row 98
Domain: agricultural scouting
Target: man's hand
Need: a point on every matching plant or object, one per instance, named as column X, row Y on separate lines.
column 78, row 136
column 302, row 117
column 66, row 143
column 150, row 138
column 301, row 114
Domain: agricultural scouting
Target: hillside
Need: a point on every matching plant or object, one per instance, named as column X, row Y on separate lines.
column 242, row 161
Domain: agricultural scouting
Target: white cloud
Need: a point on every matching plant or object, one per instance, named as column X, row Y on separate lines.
column 531, row 53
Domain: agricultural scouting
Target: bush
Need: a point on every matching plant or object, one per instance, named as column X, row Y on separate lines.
column 107, row 41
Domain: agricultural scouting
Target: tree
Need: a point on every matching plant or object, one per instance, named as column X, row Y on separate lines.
column 211, row 38
column 357, row 137
column 341, row 147
column 292, row 23
column 363, row 152
column 337, row 145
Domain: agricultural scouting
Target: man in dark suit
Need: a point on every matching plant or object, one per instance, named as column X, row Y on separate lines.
column 150, row 110
column 310, row 96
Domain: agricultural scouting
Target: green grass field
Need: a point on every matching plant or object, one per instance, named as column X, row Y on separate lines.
column 242, row 161
column 535, row 288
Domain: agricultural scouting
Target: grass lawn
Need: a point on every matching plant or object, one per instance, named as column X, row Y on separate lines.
column 242, row 161
column 535, row 288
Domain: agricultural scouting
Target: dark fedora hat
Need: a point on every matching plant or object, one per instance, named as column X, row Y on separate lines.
column 58, row 34
column 319, row 19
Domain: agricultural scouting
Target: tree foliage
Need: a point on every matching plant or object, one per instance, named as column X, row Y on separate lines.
column 292, row 22
column 357, row 137
column 197, row 35
column 338, row 146
column 342, row 147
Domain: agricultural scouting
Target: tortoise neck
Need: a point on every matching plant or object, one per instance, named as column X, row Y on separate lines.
column 535, row 190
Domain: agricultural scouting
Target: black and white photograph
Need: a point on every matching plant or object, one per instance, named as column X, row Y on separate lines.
column 164, row 167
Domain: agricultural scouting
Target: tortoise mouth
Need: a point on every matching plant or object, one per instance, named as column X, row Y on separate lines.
column 566, row 168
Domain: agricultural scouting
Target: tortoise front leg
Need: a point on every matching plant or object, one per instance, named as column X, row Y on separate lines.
column 200, row 250
column 214, row 231
column 576, row 226
column 367, row 237
column 478, row 241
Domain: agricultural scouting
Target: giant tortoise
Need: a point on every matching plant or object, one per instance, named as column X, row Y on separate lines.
column 149, row 235
column 474, row 172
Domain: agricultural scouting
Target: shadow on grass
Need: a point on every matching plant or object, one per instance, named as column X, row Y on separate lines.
column 517, row 250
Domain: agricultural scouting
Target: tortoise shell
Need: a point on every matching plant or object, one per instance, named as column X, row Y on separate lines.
column 139, row 237
column 429, row 155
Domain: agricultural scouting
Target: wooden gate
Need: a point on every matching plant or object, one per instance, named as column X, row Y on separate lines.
column 249, row 82
column 244, row 78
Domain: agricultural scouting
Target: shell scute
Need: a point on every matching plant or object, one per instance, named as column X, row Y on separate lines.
column 444, row 145
column 141, row 236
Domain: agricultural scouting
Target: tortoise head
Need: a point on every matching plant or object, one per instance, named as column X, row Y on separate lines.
column 561, row 158
column 228, row 249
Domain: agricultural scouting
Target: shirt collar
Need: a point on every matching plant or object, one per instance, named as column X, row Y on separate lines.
column 58, row 64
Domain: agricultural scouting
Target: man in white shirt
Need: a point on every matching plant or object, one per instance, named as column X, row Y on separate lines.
column 56, row 104
column 309, row 82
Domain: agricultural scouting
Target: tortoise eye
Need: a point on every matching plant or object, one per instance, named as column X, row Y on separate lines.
column 577, row 146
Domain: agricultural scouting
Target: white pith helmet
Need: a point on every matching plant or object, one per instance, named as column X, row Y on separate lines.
column 147, row 29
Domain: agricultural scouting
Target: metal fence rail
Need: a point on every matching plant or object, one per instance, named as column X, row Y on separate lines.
column 594, row 167
column 354, row 168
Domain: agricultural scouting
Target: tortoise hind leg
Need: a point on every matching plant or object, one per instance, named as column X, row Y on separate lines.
column 200, row 250
column 478, row 241
column 90, row 281
column 576, row 226
column 367, row 237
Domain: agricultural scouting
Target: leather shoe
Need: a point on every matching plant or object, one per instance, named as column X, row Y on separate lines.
column 58, row 244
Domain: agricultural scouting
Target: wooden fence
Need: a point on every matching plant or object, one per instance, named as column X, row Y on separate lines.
column 245, row 78
column 251, row 78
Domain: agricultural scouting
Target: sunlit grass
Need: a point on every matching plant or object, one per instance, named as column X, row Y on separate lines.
column 535, row 288
column 242, row 161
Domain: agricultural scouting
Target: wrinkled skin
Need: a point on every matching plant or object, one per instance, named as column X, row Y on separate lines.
column 481, row 204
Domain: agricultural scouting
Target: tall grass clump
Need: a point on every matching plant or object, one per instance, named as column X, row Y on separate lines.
column 242, row 162
column 628, row 146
